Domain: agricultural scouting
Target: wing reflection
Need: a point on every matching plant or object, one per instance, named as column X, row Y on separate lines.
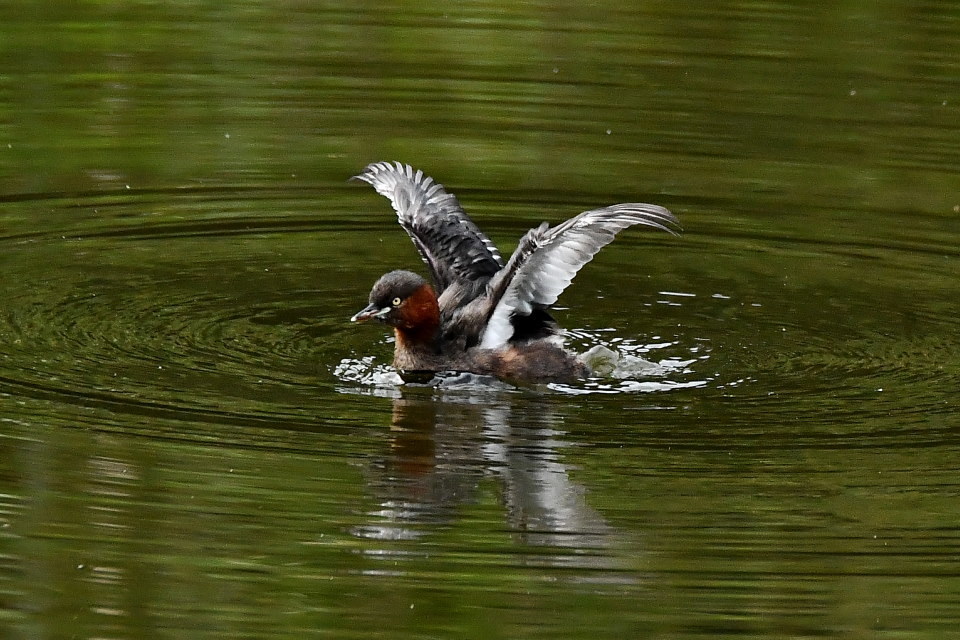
column 443, row 453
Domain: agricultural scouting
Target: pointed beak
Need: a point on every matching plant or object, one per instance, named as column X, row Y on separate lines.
column 370, row 312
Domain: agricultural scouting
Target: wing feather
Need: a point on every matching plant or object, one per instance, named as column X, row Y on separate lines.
column 451, row 245
column 547, row 259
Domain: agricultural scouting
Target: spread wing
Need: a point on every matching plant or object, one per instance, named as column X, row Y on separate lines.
column 451, row 245
column 547, row 259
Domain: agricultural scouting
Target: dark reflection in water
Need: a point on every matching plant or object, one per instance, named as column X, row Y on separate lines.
column 442, row 448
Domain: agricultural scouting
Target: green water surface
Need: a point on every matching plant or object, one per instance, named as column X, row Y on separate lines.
column 196, row 443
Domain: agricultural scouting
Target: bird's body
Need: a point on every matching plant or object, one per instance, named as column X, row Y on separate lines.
column 484, row 315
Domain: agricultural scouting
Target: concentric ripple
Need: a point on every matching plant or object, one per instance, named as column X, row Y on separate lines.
column 212, row 307
column 196, row 318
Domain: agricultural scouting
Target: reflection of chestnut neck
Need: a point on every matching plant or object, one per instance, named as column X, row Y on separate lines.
column 413, row 446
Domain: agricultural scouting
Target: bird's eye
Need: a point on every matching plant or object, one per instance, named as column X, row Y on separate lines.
column 396, row 302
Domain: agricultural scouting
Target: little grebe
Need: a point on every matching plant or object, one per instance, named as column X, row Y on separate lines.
column 490, row 317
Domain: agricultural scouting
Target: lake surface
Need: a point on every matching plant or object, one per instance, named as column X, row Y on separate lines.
column 197, row 443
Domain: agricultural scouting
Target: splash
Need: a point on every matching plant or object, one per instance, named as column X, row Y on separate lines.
column 618, row 366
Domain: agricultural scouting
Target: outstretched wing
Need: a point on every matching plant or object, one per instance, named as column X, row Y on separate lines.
column 451, row 245
column 547, row 259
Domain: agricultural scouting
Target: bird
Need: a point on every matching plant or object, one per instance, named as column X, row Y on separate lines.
column 480, row 313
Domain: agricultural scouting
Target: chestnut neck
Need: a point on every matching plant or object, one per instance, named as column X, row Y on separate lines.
column 420, row 320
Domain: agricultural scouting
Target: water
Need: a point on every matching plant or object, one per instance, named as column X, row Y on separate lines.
column 196, row 443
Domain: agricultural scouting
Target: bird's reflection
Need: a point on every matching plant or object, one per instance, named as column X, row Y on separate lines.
column 443, row 448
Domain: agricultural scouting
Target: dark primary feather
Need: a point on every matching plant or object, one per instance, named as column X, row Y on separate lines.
column 547, row 259
column 451, row 245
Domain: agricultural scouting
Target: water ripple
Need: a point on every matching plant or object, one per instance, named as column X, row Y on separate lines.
column 220, row 306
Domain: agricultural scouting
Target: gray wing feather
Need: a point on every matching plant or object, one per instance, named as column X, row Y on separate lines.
column 451, row 245
column 547, row 259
